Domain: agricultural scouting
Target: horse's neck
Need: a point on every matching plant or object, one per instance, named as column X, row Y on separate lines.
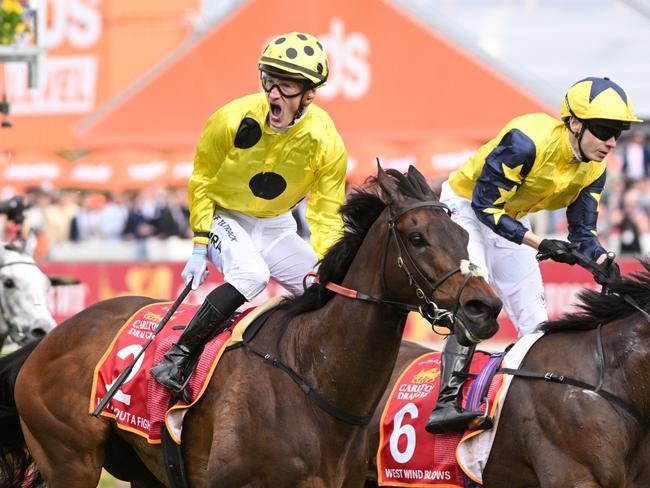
column 353, row 344
column 627, row 359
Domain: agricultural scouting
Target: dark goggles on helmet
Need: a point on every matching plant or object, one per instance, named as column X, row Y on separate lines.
column 288, row 87
column 604, row 129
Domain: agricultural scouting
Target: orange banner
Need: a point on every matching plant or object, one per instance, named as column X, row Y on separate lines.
column 95, row 50
column 134, row 168
column 408, row 86
column 122, row 169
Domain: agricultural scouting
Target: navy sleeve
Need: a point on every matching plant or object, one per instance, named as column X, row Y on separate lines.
column 582, row 216
column 505, row 169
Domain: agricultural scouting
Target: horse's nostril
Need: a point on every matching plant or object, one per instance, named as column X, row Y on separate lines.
column 481, row 309
column 37, row 333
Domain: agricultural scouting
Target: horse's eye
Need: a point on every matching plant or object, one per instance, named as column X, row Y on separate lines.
column 9, row 283
column 417, row 239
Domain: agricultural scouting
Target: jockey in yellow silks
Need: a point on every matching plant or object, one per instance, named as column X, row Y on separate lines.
column 535, row 163
column 257, row 158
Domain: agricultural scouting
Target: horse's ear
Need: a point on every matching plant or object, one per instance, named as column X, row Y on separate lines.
column 387, row 184
column 418, row 178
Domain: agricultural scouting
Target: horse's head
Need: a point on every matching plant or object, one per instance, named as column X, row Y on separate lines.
column 431, row 264
column 24, row 297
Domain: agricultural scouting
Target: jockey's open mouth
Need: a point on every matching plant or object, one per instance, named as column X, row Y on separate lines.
column 275, row 113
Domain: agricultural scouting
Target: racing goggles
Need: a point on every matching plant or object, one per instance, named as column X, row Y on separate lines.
column 288, row 87
column 605, row 130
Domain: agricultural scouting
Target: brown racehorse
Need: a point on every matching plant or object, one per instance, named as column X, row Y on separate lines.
column 254, row 426
column 553, row 434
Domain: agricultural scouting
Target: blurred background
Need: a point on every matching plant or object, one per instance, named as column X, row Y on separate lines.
column 102, row 103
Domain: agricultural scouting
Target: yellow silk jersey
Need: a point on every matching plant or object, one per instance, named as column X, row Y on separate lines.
column 529, row 167
column 241, row 164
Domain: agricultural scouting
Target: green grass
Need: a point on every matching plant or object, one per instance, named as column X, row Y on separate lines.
column 107, row 481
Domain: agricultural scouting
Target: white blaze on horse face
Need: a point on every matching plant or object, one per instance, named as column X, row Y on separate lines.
column 471, row 269
column 24, row 297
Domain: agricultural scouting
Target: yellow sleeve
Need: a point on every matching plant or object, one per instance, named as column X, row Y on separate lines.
column 210, row 154
column 327, row 195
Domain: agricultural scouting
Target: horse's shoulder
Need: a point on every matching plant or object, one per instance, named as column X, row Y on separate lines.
column 411, row 350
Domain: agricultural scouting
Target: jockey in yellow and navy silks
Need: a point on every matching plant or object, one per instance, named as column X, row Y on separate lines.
column 535, row 163
column 257, row 158
column 508, row 178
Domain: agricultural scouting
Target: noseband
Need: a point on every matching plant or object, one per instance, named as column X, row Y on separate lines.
column 428, row 308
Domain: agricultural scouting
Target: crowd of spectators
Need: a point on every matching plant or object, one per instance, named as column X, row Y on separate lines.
column 57, row 215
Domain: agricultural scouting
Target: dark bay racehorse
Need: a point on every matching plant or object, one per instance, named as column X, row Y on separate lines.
column 254, row 426
column 555, row 435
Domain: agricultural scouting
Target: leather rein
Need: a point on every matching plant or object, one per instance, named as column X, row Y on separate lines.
column 428, row 309
column 628, row 406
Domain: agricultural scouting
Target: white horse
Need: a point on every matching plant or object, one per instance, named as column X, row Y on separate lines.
column 24, row 297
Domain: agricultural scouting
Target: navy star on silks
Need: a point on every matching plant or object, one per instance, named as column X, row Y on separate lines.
column 504, row 171
column 599, row 85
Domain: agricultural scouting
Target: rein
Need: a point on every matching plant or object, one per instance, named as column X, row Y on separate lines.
column 428, row 308
column 307, row 389
column 629, row 407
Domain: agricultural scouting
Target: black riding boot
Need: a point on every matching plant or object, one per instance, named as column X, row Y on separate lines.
column 448, row 416
column 220, row 304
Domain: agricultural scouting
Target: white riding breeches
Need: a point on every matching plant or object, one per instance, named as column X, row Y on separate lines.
column 513, row 270
column 249, row 250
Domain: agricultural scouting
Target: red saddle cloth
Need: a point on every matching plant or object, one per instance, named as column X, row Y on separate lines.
column 408, row 455
column 140, row 405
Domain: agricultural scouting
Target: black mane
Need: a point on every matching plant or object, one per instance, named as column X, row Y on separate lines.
column 601, row 309
column 360, row 211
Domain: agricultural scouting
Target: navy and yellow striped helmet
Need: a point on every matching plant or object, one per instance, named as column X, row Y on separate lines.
column 299, row 54
column 598, row 98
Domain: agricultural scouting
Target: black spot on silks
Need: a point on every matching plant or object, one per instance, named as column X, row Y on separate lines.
column 267, row 185
column 248, row 134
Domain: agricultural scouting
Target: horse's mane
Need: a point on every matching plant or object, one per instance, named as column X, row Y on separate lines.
column 595, row 308
column 359, row 212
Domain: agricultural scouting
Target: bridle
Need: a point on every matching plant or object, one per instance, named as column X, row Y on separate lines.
column 553, row 377
column 427, row 308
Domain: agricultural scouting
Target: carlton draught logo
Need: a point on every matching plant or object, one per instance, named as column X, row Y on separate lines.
column 426, row 375
column 420, row 385
column 153, row 316
column 347, row 54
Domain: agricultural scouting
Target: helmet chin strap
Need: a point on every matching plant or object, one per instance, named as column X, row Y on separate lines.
column 300, row 113
column 578, row 135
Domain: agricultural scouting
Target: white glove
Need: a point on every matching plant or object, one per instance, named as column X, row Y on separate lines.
column 196, row 269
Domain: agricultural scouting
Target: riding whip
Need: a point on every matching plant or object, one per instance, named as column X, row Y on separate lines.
column 127, row 371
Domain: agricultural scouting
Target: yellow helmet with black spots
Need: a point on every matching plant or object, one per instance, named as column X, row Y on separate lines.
column 598, row 98
column 297, row 53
